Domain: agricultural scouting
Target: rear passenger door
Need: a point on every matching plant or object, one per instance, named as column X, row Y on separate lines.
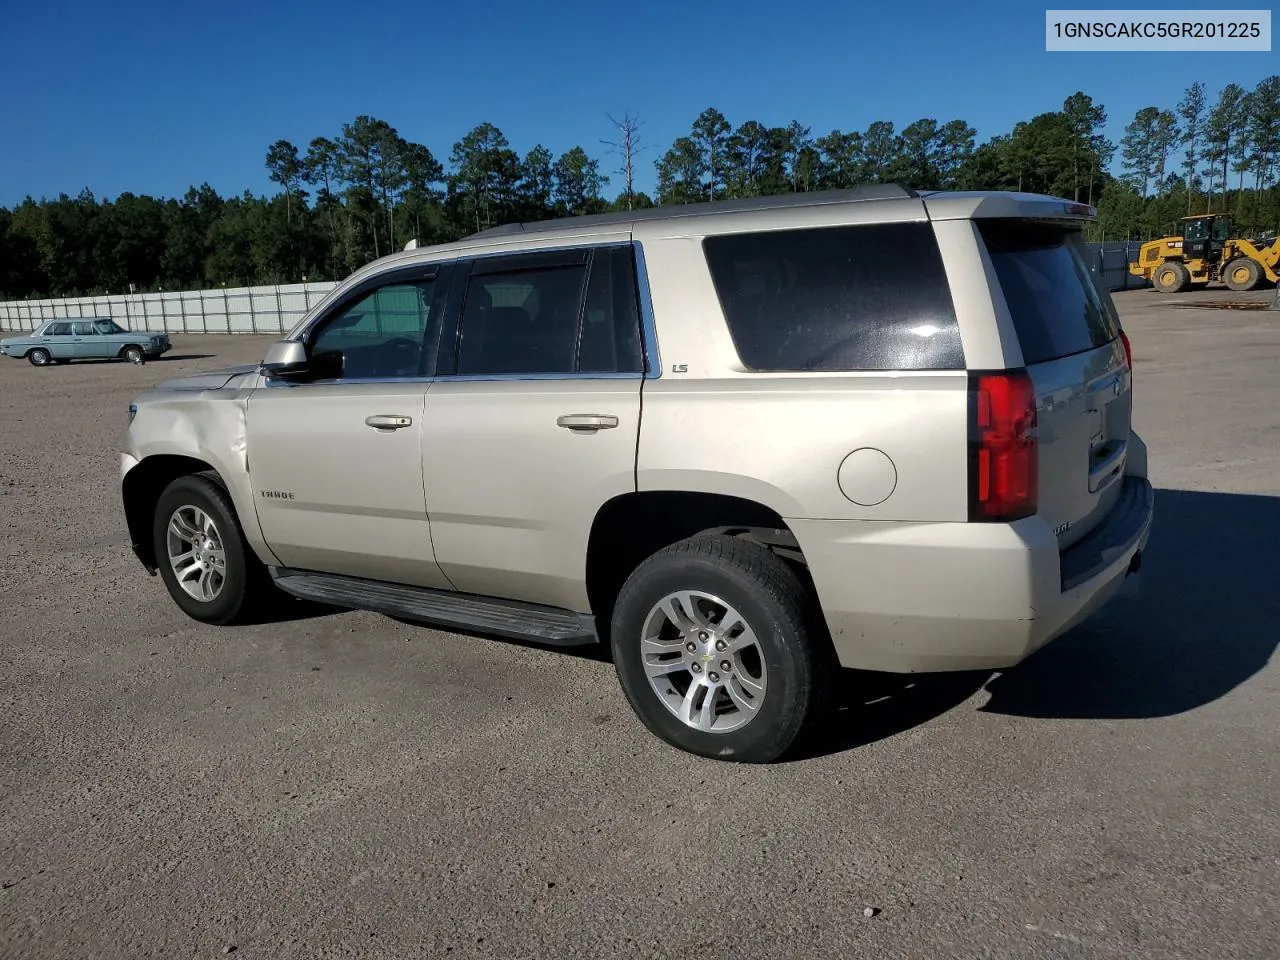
column 533, row 420
column 85, row 340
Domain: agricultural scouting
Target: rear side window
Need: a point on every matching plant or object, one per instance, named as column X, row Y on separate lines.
column 522, row 321
column 1057, row 307
column 848, row 298
column 610, row 338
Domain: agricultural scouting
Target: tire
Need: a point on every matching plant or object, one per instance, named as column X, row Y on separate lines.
column 231, row 594
column 39, row 357
column 133, row 354
column 1171, row 277
column 1242, row 274
column 791, row 653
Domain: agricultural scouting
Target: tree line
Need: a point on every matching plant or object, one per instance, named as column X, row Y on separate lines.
column 350, row 198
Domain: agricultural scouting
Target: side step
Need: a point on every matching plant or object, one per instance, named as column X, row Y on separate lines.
column 460, row 611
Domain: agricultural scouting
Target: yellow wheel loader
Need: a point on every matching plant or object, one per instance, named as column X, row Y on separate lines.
column 1206, row 252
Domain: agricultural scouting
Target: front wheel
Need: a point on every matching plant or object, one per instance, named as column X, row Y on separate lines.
column 39, row 357
column 208, row 568
column 1242, row 274
column 133, row 354
column 719, row 650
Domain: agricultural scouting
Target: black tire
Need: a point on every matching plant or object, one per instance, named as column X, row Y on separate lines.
column 771, row 598
column 1171, row 277
column 133, row 353
column 245, row 584
column 1242, row 274
column 39, row 357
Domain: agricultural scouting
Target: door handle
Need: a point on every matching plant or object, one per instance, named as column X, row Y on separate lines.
column 587, row 421
column 386, row 421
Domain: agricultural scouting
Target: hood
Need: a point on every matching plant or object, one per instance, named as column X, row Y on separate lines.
column 212, row 380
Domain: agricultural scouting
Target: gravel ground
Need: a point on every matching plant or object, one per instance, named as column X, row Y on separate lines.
column 347, row 785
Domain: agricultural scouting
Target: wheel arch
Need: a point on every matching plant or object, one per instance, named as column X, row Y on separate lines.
column 632, row 526
column 141, row 488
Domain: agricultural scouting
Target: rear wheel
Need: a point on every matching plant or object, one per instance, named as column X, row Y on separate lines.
column 1242, row 274
column 133, row 354
column 1171, row 278
column 38, row 357
column 208, row 568
column 718, row 649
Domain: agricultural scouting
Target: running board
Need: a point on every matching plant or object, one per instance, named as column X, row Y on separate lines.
column 441, row 608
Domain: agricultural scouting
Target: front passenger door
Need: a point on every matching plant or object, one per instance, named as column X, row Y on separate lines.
column 57, row 339
column 335, row 458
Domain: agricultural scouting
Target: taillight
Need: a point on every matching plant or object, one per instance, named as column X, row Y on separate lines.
column 1128, row 360
column 1004, row 448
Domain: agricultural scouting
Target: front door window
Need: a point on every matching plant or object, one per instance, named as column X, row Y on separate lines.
column 382, row 335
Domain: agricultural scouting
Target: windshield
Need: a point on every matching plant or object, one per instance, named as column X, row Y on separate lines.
column 108, row 326
column 1196, row 230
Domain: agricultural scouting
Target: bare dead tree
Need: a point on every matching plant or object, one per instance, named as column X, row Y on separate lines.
column 627, row 146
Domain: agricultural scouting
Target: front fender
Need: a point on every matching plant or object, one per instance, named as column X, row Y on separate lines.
column 210, row 430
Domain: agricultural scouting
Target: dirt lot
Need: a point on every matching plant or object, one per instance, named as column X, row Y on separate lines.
column 346, row 785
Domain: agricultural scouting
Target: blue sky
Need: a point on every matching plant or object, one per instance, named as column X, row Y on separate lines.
column 153, row 97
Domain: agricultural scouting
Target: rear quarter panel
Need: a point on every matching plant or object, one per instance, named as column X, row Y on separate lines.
column 710, row 425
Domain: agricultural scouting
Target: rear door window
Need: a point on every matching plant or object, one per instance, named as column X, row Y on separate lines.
column 847, row 298
column 520, row 320
column 1057, row 307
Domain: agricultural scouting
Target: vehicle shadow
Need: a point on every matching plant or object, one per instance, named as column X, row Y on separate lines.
column 867, row 707
column 1198, row 620
column 598, row 652
column 287, row 609
column 167, row 358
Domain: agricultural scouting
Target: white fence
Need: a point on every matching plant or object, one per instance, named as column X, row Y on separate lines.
column 267, row 309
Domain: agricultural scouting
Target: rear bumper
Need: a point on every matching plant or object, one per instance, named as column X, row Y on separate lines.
column 936, row 597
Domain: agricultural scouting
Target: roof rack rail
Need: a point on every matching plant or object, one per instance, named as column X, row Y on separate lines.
column 872, row 191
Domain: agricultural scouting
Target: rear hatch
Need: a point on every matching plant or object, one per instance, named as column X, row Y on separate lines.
column 1078, row 362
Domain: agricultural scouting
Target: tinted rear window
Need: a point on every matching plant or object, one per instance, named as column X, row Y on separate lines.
column 1057, row 308
column 871, row 297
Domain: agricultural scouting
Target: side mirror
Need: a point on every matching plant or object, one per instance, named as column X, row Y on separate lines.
column 285, row 358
